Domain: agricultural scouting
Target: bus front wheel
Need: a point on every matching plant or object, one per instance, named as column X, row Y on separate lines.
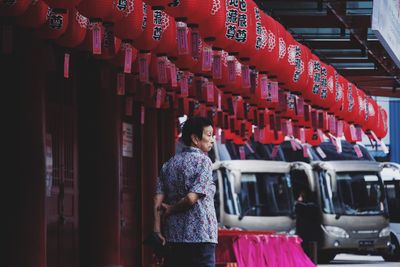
column 394, row 251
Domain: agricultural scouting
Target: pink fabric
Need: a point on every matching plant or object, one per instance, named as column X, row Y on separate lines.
column 265, row 251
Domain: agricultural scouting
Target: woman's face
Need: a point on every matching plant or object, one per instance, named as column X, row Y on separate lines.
column 207, row 140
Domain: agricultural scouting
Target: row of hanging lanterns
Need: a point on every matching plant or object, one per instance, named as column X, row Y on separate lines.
column 222, row 58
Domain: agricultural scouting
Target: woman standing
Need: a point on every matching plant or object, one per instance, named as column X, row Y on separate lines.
column 185, row 195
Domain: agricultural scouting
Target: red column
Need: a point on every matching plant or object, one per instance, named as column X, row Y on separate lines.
column 24, row 183
column 99, row 132
column 149, row 174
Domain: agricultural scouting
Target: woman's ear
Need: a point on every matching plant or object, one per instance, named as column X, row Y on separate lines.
column 195, row 139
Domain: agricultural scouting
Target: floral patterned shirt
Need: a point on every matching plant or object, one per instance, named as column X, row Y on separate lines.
column 189, row 171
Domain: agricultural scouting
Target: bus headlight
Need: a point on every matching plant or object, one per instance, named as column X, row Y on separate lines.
column 385, row 232
column 292, row 231
column 335, row 231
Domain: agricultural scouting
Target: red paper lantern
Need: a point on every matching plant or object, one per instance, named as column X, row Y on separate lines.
column 361, row 116
column 283, row 39
column 244, row 40
column 371, row 115
column 152, row 34
column 219, row 28
column 14, row 8
column 76, row 31
column 66, row 4
column 56, row 24
column 294, row 74
column 338, row 97
column 132, row 24
column 169, row 45
column 35, row 16
column 382, row 126
column 106, row 10
column 266, row 48
column 341, row 99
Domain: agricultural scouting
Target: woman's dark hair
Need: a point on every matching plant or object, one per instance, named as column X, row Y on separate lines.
column 194, row 125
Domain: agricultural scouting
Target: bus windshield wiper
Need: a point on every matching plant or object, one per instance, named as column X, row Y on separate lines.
column 249, row 209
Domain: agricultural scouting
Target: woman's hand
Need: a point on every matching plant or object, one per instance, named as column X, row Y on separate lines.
column 163, row 241
column 167, row 209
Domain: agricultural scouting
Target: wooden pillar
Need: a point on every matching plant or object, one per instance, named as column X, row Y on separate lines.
column 24, row 169
column 149, row 174
column 167, row 139
column 99, row 128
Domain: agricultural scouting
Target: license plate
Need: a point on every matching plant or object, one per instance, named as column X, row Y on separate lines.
column 366, row 243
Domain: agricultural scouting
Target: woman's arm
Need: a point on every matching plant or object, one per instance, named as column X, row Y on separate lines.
column 158, row 199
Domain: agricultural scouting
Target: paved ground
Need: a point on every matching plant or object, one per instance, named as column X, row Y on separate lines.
column 349, row 260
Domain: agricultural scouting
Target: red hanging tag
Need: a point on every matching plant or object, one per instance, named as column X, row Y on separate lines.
column 183, row 46
column 299, row 106
column 274, row 152
column 66, row 65
column 195, row 44
column 284, row 127
column 306, row 154
column 210, row 92
column 128, row 105
column 332, row 125
column 96, row 39
column 128, row 58
column 162, row 70
column 359, row 133
column 353, row 133
column 293, row 145
column 144, row 67
column 242, row 152
column 289, row 127
column 358, row 151
column 320, row 152
column 159, row 97
column 7, row 41
column 302, row 135
column 207, row 59
column 142, row 114
column 246, row 77
column 274, row 92
column 183, row 83
column 283, row 104
column 235, row 104
column 306, row 113
column 172, row 68
column 231, row 69
column 314, row 119
column 256, row 134
column 120, row 84
column 340, row 128
column 264, row 86
column 217, row 67
column 219, row 100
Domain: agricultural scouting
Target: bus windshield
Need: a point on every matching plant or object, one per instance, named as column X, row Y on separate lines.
column 393, row 198
column 358, row 193
column 266, row 194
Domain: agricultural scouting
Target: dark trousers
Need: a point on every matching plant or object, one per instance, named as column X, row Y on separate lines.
column 190, row 254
